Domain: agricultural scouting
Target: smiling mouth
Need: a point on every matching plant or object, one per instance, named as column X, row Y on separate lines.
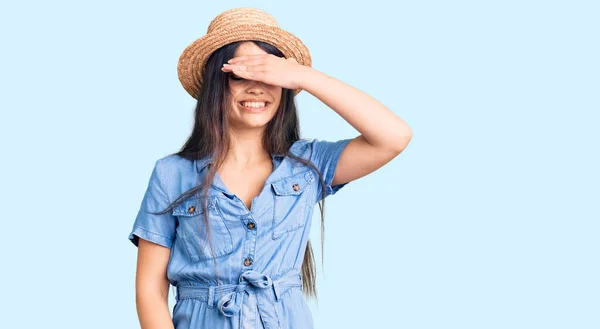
column 254, row 106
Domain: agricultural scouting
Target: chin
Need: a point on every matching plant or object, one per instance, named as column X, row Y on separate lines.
column 251, row 123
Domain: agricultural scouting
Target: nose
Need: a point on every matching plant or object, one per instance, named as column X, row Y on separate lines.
column 256, row 87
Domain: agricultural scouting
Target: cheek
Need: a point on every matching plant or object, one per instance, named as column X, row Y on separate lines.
column 233, row 95
column 277, row 91
column 233, row 89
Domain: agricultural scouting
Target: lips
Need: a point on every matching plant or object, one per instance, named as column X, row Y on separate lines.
column 254, row 109
column 254, row 101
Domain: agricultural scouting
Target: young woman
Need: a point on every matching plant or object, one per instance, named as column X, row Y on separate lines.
column 226, row 220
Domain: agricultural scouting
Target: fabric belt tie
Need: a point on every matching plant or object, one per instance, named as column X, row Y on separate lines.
column 267, row 292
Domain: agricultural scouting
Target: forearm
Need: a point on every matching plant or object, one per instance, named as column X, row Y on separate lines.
column 153, row 312
column 379, row 126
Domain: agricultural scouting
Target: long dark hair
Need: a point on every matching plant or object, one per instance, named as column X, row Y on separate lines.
column 209, row 138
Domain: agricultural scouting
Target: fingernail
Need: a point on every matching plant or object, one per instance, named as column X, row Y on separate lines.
column 229, row 61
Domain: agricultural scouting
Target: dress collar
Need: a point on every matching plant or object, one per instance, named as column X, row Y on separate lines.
column 202, row 163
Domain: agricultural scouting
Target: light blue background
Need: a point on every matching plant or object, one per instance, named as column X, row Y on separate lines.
column 489, row 219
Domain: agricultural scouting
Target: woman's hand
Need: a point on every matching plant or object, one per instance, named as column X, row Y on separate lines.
column 269, row 69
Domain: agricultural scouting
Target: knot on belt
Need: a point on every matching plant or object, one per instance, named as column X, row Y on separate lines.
column 231, row 302
column 267, row 292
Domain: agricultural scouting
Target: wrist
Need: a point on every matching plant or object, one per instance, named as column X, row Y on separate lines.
column 305, row 75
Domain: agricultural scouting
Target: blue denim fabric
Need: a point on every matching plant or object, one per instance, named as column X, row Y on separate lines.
column 266, row 293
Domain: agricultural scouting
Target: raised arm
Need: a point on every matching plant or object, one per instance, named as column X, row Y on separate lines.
column 384, row 135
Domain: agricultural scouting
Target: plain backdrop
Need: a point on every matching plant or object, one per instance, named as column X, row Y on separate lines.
column 488, row 219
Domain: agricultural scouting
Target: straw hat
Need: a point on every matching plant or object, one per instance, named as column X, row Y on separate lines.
column 240, row 24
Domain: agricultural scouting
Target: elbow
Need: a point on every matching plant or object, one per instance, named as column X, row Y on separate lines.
column 401, row 142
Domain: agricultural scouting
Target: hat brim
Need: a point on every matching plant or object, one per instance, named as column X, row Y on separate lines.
column 191, row 62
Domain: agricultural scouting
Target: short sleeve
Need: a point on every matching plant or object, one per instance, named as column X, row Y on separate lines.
column 159, row 229
column 325, row 155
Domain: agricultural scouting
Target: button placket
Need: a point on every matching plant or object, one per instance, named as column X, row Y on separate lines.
column 251, row 237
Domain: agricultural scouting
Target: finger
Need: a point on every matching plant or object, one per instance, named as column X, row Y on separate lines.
column 257, row 68
column 246, row 57
column 242, row 71
column 250, row 62
column 238, row 66
column 251, row 59
column 227, row 67
column 255, row 72
column 249, row 73
column 248, row 68
column 231, row 68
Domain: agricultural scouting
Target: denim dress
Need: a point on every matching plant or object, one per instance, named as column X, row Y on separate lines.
column 258, row 251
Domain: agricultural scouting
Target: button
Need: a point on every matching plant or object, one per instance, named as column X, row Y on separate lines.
column 250, row 225
column 247, row 261
column 191, row 209
column 296, row 187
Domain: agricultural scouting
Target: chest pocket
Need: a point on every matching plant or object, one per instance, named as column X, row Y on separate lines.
column 192, row 230
column 291, row 196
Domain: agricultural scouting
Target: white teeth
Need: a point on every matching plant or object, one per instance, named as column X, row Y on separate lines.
column 254, row 104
